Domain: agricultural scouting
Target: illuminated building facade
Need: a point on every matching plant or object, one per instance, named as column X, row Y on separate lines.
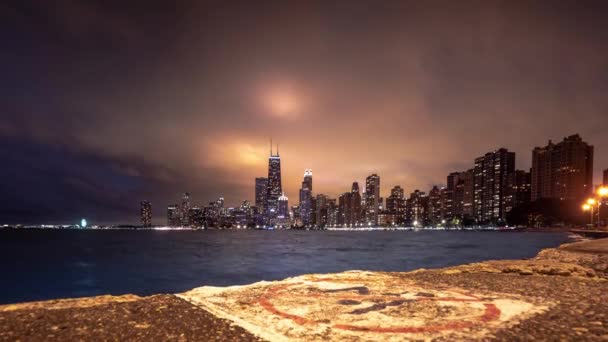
column 283, row 212
column 345, row 210
column 518, row 189
column 417, row 209
column 146, row 214
column 372, row 200
column 356, row 211
column 261, row 189
column 435, row 212
column 274, row 188
column 395, row 207
column 562, row 171
column 184, row 210
column 173, row 216
column 195, row 217
column 490, row 185
column 306, row 198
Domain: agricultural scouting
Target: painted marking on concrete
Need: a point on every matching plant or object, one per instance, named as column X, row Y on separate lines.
column 361, row 306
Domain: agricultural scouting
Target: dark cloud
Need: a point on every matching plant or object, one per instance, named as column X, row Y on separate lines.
column 148, row 99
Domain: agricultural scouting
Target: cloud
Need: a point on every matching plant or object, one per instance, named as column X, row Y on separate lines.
column 162, row 99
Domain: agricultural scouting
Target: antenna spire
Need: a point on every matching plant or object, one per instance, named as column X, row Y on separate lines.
column 271, row 147
column 277, row 150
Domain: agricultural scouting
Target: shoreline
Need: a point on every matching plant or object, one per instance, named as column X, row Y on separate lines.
column 560, row 293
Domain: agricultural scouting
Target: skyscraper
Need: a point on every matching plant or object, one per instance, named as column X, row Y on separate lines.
column 173, row 216
column 332, row 212
column 605, row 177
column 395, row 205
column 518, row 189
column 435, row 213
column 283, row 211
column 457, row 198
column 490, row 185
column 184, row 209
column 356, row 211
column 468, row 194
column 195, row 217
column 321, row 211
column 562, row 171
column 306, row 198
column 261, row 190
column 345, row 209
column 372, row 203
column 274, row 189
column 146, row 214
column 417, row 209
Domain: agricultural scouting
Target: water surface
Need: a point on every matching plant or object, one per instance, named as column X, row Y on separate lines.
column 46, row 264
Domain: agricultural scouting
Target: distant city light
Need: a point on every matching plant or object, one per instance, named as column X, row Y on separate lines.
column 83, row 223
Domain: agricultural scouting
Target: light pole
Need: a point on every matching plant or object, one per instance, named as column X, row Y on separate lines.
column 587, row 207
column 602, row 193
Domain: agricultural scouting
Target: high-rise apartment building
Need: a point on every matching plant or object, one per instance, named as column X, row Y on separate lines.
column 468, row 194
column 146, row 214
column 395, row 206
column 518, row 189
column 457, row 198
column 417, row 209
column 435, row 213
column 562, row 171
column 490, row 185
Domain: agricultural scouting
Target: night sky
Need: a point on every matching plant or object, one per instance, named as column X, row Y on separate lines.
column 106, row 103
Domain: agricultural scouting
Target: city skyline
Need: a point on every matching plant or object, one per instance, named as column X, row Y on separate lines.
column 108, row 103
column 483, row 195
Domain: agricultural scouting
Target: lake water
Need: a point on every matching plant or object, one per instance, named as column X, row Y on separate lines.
column 46, row 264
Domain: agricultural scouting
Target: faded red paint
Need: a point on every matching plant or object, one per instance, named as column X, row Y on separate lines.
column 268, row 306
column 491, row 313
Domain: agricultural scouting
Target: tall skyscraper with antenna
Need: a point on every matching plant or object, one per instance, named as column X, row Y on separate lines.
column 274, row 187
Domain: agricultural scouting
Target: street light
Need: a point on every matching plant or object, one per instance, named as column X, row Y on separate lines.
column 602, row 192
column 592, row 202
column 588, row 207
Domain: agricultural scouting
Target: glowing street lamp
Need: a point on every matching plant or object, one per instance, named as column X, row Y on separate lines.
column 589, row 207
column 602, row 192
